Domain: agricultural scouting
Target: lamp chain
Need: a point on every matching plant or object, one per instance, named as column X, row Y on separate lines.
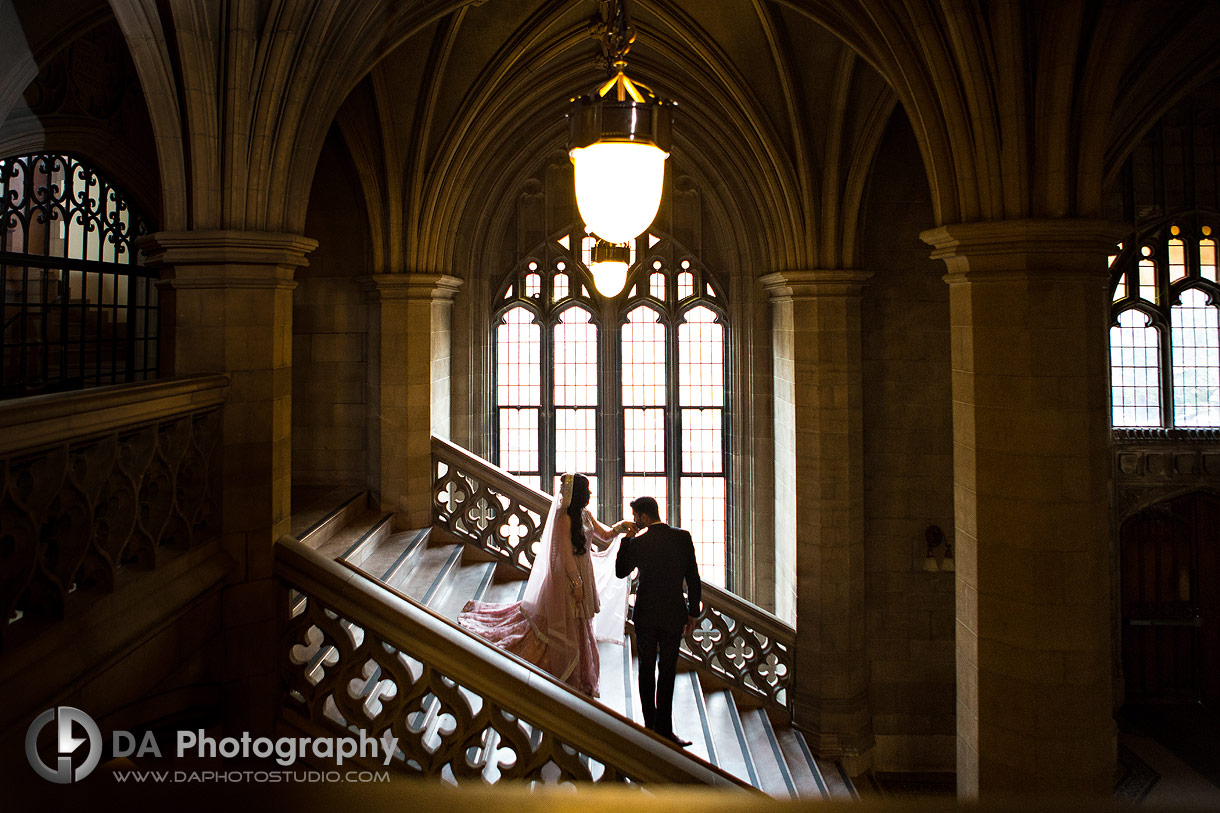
column 616, row 34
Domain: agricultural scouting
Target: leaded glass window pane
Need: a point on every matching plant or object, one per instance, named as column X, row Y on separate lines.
column 576, row 385
column 1207, row 259
column 701, row 354
column 701, row 359
column 1194, row 331
column 1147, row 279
column 1164, row 354
column 519, row 390
column 703, row 514
column 643, row 359
column 1177, row 260
column 656, row 284
column 660, row 391
column 1135, row 371
column 655, row 487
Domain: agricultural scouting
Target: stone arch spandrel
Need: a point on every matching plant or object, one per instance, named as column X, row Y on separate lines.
column 86, row 101
column 141, row 25
column 1021, row 111
column 241, row 97
column 30, row 38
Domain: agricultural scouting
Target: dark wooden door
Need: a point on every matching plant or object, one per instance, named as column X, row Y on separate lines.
column 1171, row 601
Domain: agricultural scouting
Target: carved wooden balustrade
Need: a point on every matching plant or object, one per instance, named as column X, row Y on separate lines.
column 356, row 655
column 101, row 482
column 484, row 505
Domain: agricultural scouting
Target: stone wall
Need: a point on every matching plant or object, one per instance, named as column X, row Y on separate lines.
column 908, row 468
column 329, row 325
column 784, row 383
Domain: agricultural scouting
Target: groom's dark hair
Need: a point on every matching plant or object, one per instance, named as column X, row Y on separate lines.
column 646, row 506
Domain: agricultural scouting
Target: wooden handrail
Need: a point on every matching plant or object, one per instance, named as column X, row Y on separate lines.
column 510, row 684
column 39, row 421
column 506, row 483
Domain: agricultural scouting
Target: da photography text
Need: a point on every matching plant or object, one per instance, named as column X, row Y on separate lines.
column 72, row 763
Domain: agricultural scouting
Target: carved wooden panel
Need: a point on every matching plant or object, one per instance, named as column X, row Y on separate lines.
column 340, row 676
column 72, row 515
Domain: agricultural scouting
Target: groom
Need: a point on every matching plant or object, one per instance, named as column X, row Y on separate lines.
column 665, row 557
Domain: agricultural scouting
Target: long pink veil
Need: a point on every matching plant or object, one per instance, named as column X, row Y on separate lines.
column 570, row 602
column 549, row 602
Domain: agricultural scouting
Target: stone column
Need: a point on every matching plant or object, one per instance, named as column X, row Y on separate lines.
column 226, row 307
column 1029, row 317
column 819, row 512
column 409, row 361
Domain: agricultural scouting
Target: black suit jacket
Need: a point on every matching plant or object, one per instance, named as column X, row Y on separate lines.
column 665, row 557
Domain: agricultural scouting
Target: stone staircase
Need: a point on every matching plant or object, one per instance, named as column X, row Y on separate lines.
column 728, row 728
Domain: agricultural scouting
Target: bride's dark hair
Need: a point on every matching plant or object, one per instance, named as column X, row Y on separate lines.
column 580, row 498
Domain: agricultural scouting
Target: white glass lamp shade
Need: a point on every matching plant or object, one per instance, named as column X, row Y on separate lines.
column 610, row 264
column 609, row 276
column 618, row 187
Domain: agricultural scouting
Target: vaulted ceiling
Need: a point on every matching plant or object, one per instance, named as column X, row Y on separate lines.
column 1020, row 109
column 777, row 120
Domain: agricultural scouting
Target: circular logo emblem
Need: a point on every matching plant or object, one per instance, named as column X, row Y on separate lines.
column 66, row 745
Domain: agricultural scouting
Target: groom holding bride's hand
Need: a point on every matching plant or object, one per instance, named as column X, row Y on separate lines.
column 665, row 557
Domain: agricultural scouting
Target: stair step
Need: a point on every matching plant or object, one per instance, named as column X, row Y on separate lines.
column 838, row 783
column 417, row 580
column 503, row 592
column 367, row 544
column 324, row 512
column 467, row 582
column 484, row 585
column 444, row 576
column 625, row 664
column 612, row 691
column 774, row 777
column 690, row 718
column 732, row 750
column 801, row 765
column 366, row 521
column 745, row 742
column 396, row 555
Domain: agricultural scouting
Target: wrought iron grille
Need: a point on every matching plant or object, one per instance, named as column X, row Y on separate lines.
column 78, row 309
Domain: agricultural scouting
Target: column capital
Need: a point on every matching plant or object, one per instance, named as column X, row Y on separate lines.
column 784, row 286
column 1061, row 247
column 222, row 258
column 410, row 286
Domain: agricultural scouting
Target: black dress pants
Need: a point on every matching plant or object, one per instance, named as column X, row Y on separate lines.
column 657, row 681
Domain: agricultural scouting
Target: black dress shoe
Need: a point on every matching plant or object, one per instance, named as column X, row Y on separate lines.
column 678, row 741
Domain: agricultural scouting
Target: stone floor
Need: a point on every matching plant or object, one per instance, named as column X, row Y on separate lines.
column 1179, row 746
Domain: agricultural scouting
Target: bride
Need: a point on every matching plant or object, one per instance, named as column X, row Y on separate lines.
column 553, row 625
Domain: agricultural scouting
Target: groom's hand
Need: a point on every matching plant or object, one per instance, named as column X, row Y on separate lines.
column 690, row 625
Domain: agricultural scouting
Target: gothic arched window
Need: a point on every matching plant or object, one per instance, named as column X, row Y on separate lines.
column 78, row 309
column 1165, row 334
column 631, row 391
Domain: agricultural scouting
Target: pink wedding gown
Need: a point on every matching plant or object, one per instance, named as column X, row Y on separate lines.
column 553, row 625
